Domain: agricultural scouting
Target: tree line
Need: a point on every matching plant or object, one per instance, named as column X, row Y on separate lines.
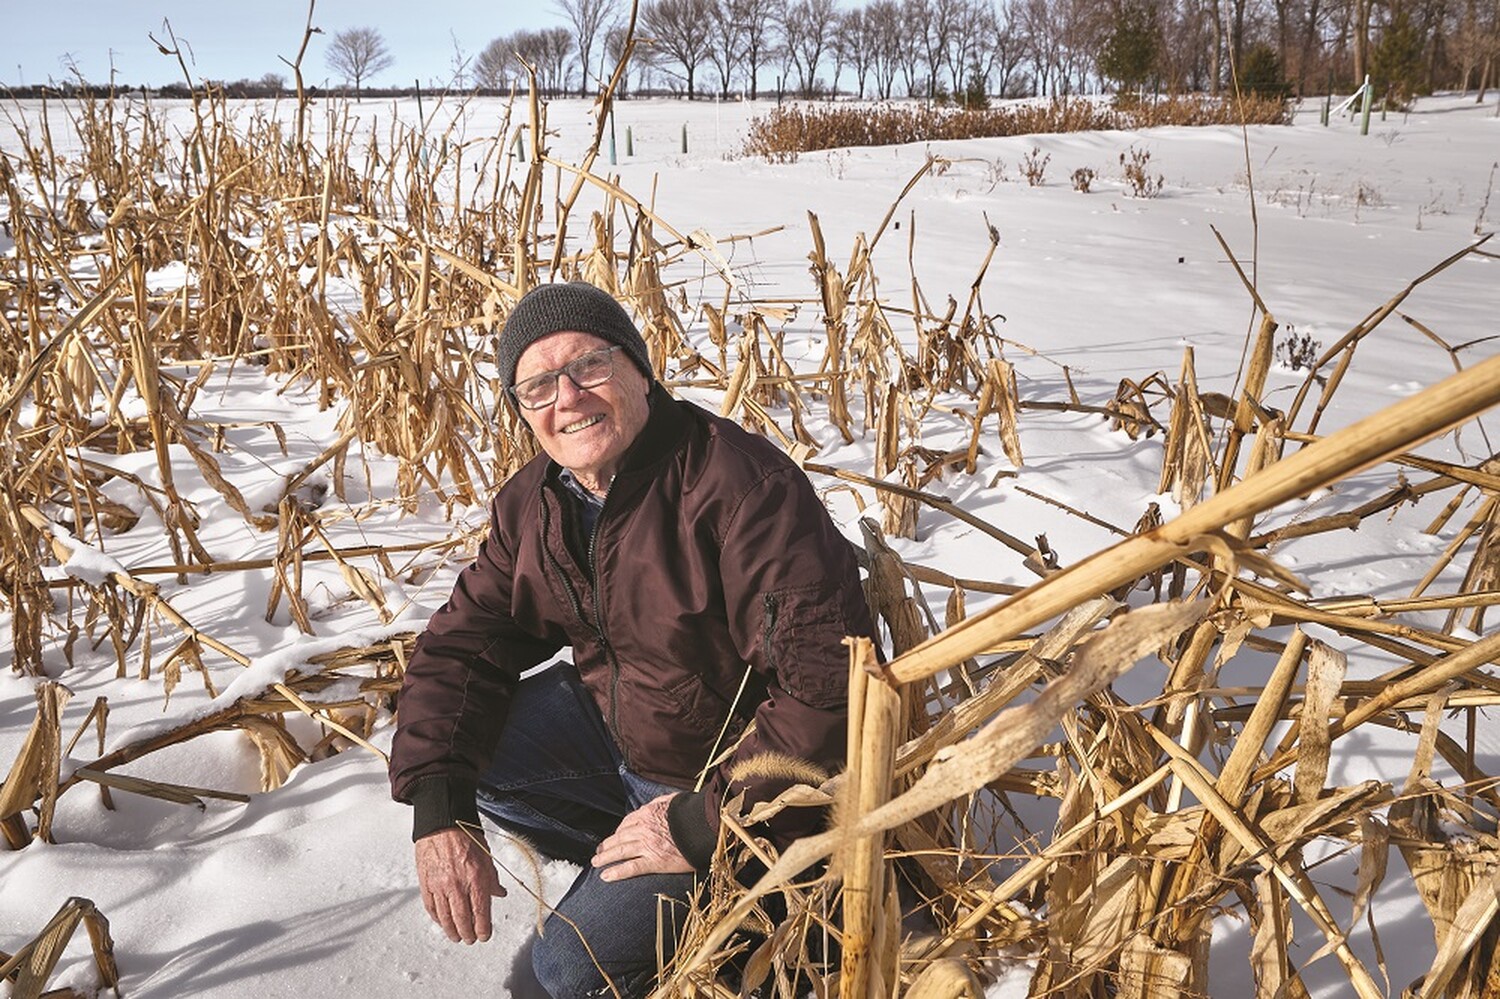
column 966, row 50
column 969, row 49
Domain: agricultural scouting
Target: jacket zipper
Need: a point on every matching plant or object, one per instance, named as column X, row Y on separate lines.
column 558, row 568
column 612, row 722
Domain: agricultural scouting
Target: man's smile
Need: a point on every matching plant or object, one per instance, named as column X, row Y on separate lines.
column 583, row 424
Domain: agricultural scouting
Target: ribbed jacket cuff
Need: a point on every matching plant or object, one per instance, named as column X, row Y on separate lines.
column 441, row 803
column 695, row 838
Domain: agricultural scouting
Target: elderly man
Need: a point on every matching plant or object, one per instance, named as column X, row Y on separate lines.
column 704, row 594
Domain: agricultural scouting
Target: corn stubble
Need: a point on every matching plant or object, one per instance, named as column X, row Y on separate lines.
column 1172, row 811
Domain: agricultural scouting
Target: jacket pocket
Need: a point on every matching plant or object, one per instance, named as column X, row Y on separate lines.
column 700, row 707
column 802, row 634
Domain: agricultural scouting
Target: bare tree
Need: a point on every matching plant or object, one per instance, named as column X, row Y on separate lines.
column 589, row 18
column 503, row 62
column 916, row 66
column 758, row 18
column 968, row 25
column 1186, row 57
column 853, row 45
column 726, row 44
column 358, row 53
column 1472, row 41
column 550, row 49
column 614, row 51
column 1009, row 50
column 949, row 45
column 809, row 23
column 1489, row 46
column 1310, row 46
column 495, row 67
column 1064, row 34
column 1237, row 13
column 1286, row 12
column 679, row 30
column 882, row 21
column 1016, row 47
column 1041, row 42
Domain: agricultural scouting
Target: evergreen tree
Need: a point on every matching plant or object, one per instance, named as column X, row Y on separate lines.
column 1260, row 73
column 1396, row 64
column 1133, row 45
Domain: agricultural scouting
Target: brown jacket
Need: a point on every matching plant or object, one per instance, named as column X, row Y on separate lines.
column 712, row 554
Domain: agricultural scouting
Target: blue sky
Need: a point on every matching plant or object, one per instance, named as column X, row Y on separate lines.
column 233, row 40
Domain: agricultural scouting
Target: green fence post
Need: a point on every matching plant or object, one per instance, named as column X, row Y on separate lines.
column 1364, row 109
column 629, row 142
column 684, row 138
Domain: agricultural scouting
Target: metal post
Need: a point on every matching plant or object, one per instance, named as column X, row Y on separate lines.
column 629, row 141
column 684, row 138
column 1364, row 109
column 1327, row 108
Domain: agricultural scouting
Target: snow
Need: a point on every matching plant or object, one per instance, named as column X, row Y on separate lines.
column 85, row 562
column 311, row 888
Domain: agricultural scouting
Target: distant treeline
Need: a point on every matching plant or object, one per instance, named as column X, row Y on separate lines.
column 254, row 90
column 248, row 89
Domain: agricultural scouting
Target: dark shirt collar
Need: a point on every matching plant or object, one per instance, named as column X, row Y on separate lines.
column 570, row 481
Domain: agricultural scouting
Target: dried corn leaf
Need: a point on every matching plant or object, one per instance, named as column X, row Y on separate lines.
column 23, row 783
column 1326, row 667
column 999, row 396
column 1270, row 945
column 1374, row 851
column 1432, row 720
column 1088, row 929
column 34, row 963
column 279, row 752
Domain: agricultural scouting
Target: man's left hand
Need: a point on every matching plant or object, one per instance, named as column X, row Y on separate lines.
column 642, row 845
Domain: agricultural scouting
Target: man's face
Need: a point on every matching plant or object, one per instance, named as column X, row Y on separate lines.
column 586, row 430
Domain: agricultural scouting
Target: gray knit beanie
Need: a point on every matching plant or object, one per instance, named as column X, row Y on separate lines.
column 577, row 306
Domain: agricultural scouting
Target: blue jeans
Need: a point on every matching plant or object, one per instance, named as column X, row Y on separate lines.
column 558, row 780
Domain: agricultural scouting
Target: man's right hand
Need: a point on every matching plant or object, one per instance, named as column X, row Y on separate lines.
column 458, row 880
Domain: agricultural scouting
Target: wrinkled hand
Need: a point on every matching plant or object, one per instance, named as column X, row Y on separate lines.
column 458, row 879
column 642, row 845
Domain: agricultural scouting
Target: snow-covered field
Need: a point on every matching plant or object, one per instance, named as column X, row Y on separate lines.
column 310, row 889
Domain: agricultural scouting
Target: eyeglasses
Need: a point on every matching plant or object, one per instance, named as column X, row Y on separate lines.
column 586, row 371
